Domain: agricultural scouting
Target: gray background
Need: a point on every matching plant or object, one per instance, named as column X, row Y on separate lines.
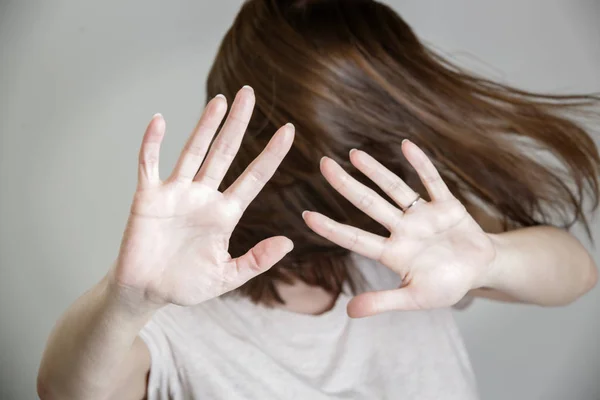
column 80, row 80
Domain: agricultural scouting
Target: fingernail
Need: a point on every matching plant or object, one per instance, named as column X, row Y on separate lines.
column 404, row 140
column 304, row 214
column 157, row 115
column 289, row 130
column 352, row 151
column 290, row 246
column 322, row 160
column 248, row 87
column 220, row 96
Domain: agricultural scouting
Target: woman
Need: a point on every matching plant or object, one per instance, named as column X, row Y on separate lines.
column 403, row 232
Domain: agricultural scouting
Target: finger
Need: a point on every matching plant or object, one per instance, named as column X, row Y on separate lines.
column 254, row 178
column 228, row 141
column 148, row 173
column 429, row 175
column 372, row 303
column 260, row 258
column 195, row 148
column 391, row 184
column 349, row 237
column 364, row 198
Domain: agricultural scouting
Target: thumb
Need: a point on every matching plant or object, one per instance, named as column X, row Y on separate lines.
column 260, row 258
column 372, row 303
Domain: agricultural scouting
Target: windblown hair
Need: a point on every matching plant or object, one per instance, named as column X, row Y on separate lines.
column 352, row 74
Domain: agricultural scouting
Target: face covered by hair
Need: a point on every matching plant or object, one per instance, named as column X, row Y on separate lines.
column 354, row 75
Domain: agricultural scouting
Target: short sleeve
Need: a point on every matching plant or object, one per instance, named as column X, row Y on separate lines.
column 163, row 381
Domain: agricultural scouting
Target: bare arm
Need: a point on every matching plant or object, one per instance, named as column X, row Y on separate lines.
column 174, row 251
column 94, row 346
column 541, row 265
column 549, row 264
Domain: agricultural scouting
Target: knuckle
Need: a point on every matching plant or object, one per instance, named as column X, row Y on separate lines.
column 366, row 201
column 258, row 176
column 342, row 184
column 149, row 160
column 431, row 179
column 329, row 229
column 274, row 152
column 226, row 148
column 254, row 261
column 394, row 186
column 371, row 171
column 194, row 149
column 353, row 241
column 237, row 120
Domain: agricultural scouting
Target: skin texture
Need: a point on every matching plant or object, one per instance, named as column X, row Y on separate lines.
column 176, row 240
column 175, row 251
column 439, row 249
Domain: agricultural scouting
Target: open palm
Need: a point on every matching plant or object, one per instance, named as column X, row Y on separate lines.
column 436, row 247
column 175, row 246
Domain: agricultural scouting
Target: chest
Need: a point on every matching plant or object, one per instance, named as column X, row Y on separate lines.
column 382, row 357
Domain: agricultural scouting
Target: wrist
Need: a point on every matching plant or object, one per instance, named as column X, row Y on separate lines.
column 129, row 302
column 492, row 275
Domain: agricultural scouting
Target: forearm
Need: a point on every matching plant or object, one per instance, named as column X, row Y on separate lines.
column 89, row 343
column 541, row 265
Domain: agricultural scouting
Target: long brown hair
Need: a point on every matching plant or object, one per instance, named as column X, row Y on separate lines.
column 352, row 74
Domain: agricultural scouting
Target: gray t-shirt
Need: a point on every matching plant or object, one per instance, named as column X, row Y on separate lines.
column 230, row 348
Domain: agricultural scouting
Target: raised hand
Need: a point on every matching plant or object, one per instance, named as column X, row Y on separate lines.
column 436, row 247
column 174, row 249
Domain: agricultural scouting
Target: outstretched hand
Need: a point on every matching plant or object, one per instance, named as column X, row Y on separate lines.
column 175, row 246
column 436, row 247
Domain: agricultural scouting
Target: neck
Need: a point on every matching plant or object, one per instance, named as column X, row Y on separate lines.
column 304, row 299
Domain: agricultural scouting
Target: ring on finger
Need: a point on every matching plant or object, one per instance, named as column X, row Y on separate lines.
column 415, row 201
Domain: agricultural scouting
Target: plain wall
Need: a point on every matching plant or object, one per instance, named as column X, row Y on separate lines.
column 79, row 80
